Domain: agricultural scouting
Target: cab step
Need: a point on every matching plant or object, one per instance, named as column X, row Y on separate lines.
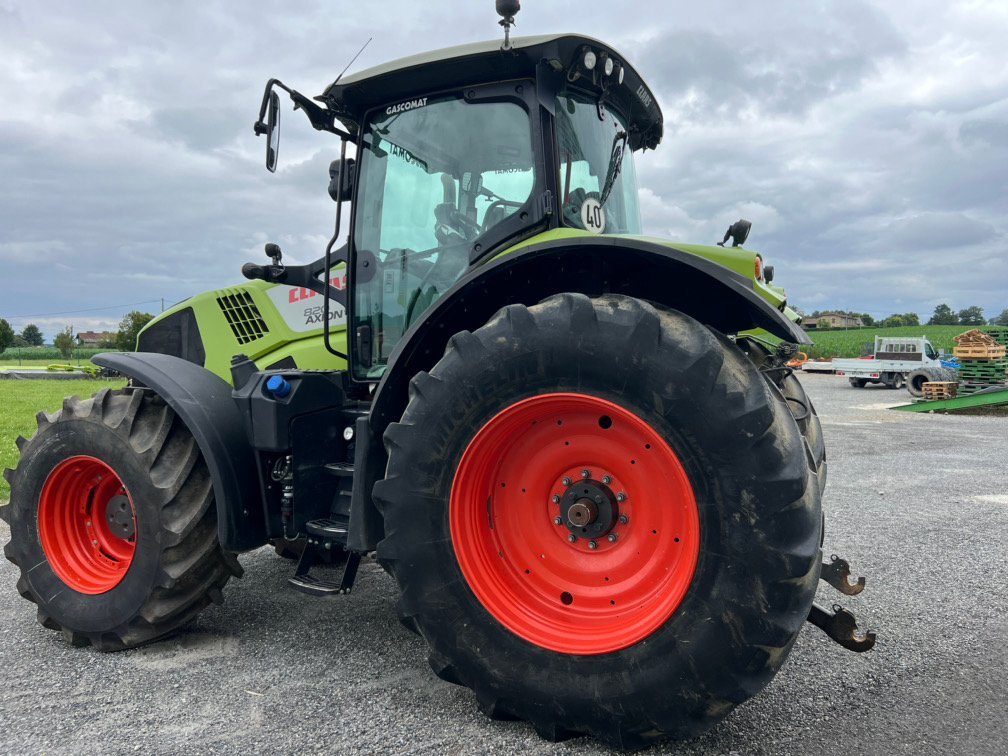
column 340, row 469
column 327, row 529
column 325, row 536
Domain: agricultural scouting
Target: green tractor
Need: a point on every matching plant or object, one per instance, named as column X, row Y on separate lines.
column 577, row 450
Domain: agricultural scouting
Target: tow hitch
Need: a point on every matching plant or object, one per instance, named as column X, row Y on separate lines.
column 837, row 572
column 839, row 624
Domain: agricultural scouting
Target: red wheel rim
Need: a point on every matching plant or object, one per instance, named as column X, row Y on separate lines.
column 521, row 564
column 87, row 525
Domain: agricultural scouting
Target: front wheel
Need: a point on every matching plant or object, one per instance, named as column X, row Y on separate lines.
column 113, row 523
column 602, row 519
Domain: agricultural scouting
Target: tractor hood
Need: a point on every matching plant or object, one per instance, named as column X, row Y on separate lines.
column 402, row 81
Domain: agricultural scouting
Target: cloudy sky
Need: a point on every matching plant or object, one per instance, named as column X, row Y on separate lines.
column 867, row 142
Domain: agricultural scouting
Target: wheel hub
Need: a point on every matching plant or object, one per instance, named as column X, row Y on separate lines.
column 589, row 508
column 583, row 512
column 119, row 515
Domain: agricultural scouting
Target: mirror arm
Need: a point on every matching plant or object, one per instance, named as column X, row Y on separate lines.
column 321, row 118
column 259, row 127
column 304, row 276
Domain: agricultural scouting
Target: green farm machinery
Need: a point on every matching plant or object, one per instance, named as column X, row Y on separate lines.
column 577, row 450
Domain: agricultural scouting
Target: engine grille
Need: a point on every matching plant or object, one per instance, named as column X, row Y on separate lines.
column 243, row 316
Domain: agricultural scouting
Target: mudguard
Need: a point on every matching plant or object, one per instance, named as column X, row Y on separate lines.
column 709, row 292
column 203, row 402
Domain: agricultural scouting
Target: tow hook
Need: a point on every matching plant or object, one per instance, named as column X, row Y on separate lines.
column 841, row 626
column 837, row 572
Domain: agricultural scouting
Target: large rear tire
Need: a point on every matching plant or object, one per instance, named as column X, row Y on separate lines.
column 113, row 524
column 798, row 401
column 694, row 604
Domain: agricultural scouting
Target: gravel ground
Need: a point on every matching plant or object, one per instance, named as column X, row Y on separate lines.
column 918, row 503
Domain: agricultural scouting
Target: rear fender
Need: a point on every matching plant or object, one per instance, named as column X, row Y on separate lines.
column 696, row 286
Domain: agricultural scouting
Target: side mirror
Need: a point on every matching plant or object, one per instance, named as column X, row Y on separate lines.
column 341, row 178
column 272, row 132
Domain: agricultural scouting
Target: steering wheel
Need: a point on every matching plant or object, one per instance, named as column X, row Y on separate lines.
column 452, row 226
column 493, row 214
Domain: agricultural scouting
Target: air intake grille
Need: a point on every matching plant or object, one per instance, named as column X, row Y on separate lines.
column 243, row 316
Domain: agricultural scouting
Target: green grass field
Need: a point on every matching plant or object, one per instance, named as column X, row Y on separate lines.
column 19, row 403
column 852, row 343
column 42, row 356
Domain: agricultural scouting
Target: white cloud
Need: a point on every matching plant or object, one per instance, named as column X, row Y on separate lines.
column 867, row 142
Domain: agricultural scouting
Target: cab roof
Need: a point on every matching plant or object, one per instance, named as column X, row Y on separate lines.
column 484, row 62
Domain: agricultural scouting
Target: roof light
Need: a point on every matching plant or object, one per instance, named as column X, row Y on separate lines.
column 622, row 72
column 609, row 64
column 589, row 60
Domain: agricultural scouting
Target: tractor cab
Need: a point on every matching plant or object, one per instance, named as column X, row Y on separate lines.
column 463, row 153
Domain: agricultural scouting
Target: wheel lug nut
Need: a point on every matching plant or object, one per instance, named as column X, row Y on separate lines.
column 607, row 479
column 567, row 481
column 572, row 538
column 557, row 521
column 624, row 519
column 612, row 538
column 621, row 496
column 556, row 499
column 585, row 474
column 592, row 545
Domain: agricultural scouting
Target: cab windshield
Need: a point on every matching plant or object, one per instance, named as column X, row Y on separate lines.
column 436, row 174
column 597, row 178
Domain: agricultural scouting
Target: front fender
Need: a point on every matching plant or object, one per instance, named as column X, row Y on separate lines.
column 203, row 402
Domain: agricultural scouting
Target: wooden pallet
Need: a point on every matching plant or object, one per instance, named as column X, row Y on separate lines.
column 979, row 351
column 974, row 336
column 936, row 390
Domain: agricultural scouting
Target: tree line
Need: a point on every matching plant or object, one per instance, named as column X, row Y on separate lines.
column 124, row 339
column 943, row 315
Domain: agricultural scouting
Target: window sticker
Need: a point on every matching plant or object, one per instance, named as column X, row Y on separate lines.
column 402, row 107
column 593, row 216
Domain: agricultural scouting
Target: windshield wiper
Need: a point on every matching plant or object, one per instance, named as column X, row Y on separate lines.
column 615, row 165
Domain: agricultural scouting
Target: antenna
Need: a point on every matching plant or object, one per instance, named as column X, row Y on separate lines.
column 507, row 9
column 351, row 62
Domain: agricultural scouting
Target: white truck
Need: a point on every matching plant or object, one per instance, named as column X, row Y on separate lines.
column 896, row 360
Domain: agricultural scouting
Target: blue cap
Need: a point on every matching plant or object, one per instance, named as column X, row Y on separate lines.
column 278, row 386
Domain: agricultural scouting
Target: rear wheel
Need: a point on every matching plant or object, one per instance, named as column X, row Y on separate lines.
column 113, row 523
column 602, row 519
column 798, row 402
column 858, row 382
